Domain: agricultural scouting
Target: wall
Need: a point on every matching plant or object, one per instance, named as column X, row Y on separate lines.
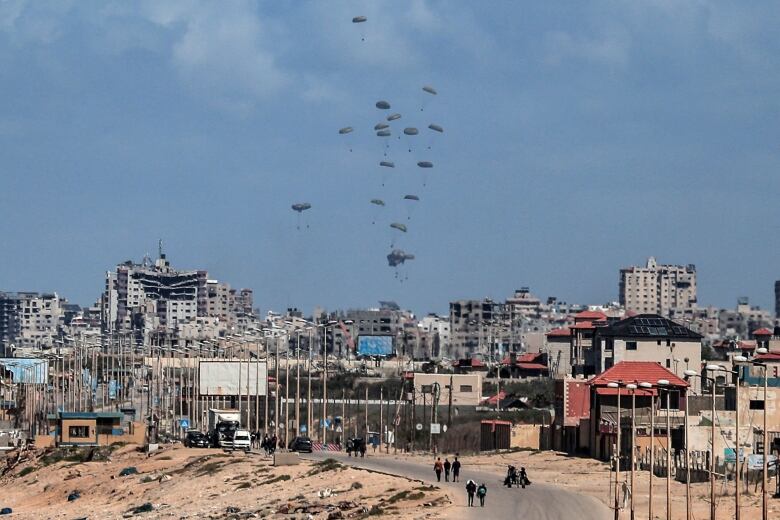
column 65, row 431
column 459, row 398
column 652, row 351
column 135, row 434
column 525, row 436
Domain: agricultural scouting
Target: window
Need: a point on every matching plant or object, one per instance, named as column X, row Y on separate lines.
column 465, row 388
column 668, row 363
column 79, row 432
column 426, row 389
column 630, row 345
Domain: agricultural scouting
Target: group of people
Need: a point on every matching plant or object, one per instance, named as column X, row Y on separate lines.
column 446, row 467
column 513, row 478
column 270, row 443
column 472, row 489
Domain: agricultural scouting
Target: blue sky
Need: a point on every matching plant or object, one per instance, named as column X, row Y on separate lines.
column 578, row 139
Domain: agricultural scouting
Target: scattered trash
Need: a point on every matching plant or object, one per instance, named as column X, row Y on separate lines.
column 74, row 496
column 232, row 509
column 165, row 478
column 6, row 511
column 132, row 470
column 325, row 493
column 143, row 508
column 335, row 515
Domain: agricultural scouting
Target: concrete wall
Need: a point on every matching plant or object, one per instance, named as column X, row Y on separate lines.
column 66, row 424
column 663, row 354
column 525, row 436
column 460, row 396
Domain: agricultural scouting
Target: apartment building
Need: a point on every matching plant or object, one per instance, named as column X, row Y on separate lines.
column 655, row 289
column 30, row 321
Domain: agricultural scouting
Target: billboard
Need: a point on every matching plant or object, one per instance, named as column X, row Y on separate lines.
column 221, row 377
column 375, row 346
column 26, row 370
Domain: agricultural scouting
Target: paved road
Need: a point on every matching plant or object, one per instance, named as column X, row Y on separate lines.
column 538, row 501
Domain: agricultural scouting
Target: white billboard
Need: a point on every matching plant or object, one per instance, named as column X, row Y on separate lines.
column 222, row 377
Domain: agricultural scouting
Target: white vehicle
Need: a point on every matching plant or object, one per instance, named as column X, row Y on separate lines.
column 242, row 440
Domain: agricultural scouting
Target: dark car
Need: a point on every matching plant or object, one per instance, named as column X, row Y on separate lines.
column 195, row 439
column 302, row 444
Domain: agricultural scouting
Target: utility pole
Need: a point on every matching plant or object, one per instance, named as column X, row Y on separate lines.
column 381, row 417
column 298, row 385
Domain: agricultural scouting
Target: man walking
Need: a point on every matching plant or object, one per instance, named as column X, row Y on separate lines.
column 447, row 466
column 481, row 492
column 455, row 469
column 471, row 488
column 438, row 467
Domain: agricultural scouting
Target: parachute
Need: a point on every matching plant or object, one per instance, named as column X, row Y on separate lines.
column 410, row 131
column 430, row 90
column 383, row 105
column 387, row 164
column 359, row 19
column 398, row 257
column 381, row 126
column 383, row 133
column 393, row 117
column 398, row 226
column 301, row 206
column 436, row 128
column 425, row 164
column 411, row 197
column 378, row 202
column 345, row 130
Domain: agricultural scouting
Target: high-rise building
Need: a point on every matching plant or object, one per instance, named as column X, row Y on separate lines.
column 30, row 321
column 145, row 296
column 777, row 299
column 478, row 327
column 656, row 289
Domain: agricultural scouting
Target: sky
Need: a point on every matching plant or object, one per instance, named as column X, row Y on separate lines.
column 579, row 138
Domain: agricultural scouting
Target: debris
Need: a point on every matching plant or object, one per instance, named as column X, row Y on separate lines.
column 164, row 477
column 325, row 493
column 75, row 495
column 232, row 509
column 6, row 511
column 335, row 515
column 143, row 508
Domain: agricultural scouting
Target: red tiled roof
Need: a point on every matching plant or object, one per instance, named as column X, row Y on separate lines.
column 577, row 404
column 529, row 357
column 532, row 366
column 763, row 332
column 492, row 399
column 583, row 325
column 769, row 356
column 563, row 331
column 637, row 371
column 747, row 345
column 590, row 316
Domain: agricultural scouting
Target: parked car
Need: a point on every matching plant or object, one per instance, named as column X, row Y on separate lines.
column 302, row 444
column 242, row 440
column 196, row 439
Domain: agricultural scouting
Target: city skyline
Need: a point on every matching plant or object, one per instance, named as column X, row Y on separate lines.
column 578, row 140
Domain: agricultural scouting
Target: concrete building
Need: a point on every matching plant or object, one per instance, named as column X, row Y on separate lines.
column 478, row 328
column 777, row 299
column 30, row 321
column 145, row 296
column 655, row 289
column 648, row 338
column 466, row 389
column 739, row 322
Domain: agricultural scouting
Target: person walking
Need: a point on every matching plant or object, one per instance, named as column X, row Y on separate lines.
column 438, row 467
column 447, row 467
column 471, row 488
column 455, row 469
column 481, row 492
column 524, row 478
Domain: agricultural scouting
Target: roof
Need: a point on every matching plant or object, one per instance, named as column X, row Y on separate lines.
column 747, row 345
column 637, row 372
column 562, row 331
column 769, row 356
column 532, row 366
column 91, row 415
column 529, row 357
column 650, row 326
column 590, row 316
column 492, row 399
column 763, row 332
column 583, row 325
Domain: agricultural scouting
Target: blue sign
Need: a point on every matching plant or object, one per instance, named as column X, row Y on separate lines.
column 26, row 370
column 184, row 423
column 730, row 455
column 375, row 346
column 112, row 386
column 303, row 428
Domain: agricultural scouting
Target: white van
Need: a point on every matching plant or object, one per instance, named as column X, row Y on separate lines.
column 242, row 440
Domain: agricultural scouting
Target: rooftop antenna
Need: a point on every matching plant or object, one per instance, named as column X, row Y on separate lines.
column 160, row 248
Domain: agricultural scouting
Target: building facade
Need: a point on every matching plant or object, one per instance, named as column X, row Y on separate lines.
column 655, row 289
column 30, row 321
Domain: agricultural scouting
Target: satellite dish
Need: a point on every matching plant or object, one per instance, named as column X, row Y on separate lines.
column 418, row 427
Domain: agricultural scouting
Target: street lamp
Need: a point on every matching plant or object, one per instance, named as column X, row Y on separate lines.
column 647, row 385
column 632, row 387
column 663, row 385
column 738, row 461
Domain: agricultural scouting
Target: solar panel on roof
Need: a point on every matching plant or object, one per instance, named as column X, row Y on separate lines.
column 662, row 331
